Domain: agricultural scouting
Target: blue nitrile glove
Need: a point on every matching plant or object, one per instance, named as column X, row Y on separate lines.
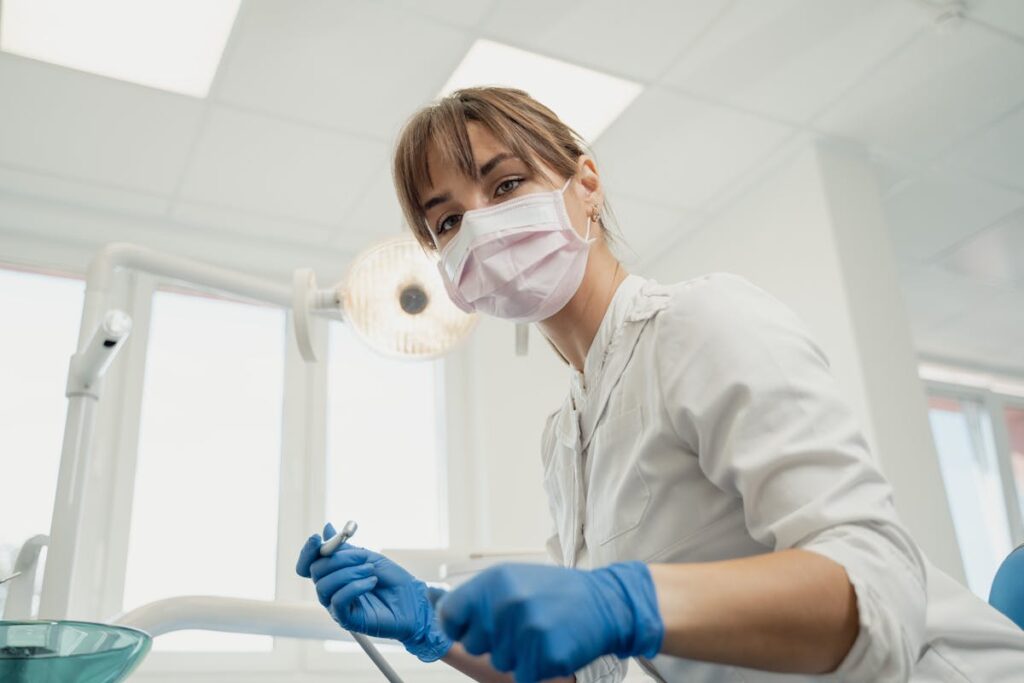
column 542, row 622
column 367, row 593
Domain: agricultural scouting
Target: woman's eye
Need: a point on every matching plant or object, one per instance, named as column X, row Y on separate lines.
column 448, row 223
column 507, row 186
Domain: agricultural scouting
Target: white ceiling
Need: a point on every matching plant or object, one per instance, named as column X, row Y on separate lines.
column 288, row 157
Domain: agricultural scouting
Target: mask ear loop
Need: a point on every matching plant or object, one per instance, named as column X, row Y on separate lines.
column 588, row 239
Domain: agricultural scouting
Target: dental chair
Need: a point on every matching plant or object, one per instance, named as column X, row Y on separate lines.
column 1007, row 593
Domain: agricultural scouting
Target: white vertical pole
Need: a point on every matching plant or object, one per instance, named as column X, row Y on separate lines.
column 67, row 509
column 886, row 359
column 107, row 520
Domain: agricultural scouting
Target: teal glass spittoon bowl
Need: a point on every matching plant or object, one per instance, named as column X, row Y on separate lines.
column 68, row 651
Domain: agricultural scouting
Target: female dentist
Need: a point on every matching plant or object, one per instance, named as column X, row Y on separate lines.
column 717, row 513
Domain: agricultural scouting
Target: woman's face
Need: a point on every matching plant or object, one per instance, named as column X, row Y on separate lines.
column 503, row 176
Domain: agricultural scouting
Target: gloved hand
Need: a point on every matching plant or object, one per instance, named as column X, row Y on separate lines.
column 542, row 622
column 367, row 593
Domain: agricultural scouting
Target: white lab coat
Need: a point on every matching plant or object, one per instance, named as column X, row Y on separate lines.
column 706, row 426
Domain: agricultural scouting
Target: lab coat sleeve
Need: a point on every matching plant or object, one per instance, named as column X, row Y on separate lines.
column 750, row 392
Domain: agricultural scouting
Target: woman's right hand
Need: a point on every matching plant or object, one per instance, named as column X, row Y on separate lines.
column 365, row 592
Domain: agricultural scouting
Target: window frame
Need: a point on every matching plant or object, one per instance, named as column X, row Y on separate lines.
column 992, row 403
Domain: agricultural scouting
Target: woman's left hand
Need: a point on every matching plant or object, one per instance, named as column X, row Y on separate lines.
column 542, row 622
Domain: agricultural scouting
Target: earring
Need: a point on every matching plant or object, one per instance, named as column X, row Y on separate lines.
column 596, row 215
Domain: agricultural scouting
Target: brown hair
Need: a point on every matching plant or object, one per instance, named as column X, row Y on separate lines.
column 529, row 129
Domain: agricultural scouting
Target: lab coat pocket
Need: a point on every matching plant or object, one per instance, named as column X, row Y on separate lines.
column 620, row 496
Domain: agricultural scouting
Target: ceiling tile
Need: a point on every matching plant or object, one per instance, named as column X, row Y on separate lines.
column 934, row 212
column 995, row 255
column 356, row 66
column 465, row 13
column 934, row 295
column 933, row 93
column 638, row 41
column 80, row 125
column 998, row 151
column 791, row 58
column 676, row 151
column 374, row 215
column 91, row 229
column 80, row 193
column 247, row 224
column 989, row 334
column 284, row 170
column 958, row 345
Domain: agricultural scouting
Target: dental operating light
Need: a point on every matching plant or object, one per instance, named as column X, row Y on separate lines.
column 393, row 297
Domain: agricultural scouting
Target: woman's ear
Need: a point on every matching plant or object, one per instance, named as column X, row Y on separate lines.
column 590, row 179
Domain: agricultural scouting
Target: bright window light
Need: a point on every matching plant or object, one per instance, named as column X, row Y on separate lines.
column 41, row 315
column 384, row 463
column 967, row 458
column 173, row 45
column 385, row 467
column 586, row 100
column 204, row 517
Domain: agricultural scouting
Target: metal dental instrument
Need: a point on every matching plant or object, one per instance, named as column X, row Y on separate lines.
column 326, row 550
column 347, row 532
column 12, row 576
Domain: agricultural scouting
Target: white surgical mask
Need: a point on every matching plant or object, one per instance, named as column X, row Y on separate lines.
column 520, row 260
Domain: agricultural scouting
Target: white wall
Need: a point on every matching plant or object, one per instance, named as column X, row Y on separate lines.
column 813, row 234
column 507, row 399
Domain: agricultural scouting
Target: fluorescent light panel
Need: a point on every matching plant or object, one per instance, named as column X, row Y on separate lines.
column 173, row 45
column 585, row 99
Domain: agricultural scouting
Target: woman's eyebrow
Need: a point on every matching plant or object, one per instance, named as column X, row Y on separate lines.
column 486, row 168
column 434, row 201
column 494, row 161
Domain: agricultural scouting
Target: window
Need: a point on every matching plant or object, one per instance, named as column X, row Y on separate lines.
column 204, row 501
column 383, row 455
column 204, row 517
column 41, row 317
column 1015, row 434
column 968, row 460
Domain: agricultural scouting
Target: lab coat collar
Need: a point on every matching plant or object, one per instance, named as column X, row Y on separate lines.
column 618, row 308
column 611, row 350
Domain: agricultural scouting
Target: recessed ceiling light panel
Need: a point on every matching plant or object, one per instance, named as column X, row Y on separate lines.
column 585, row 99
column 173, row 45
